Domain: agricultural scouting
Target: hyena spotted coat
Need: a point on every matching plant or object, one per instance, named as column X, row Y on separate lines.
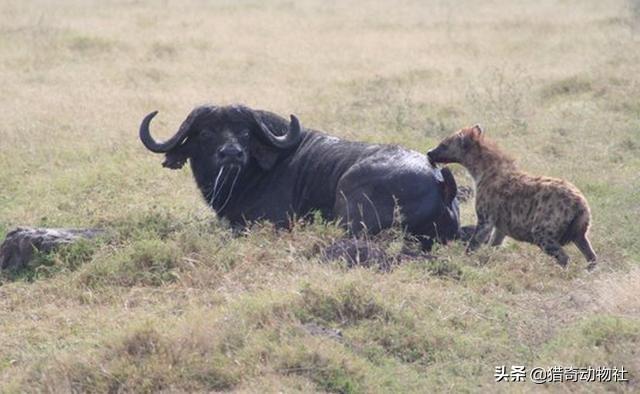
column 547, row 212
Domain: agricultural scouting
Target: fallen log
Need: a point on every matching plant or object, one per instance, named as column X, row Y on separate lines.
column 20, row 244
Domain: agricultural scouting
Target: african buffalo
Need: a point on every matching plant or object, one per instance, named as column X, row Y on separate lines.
column 252, row 165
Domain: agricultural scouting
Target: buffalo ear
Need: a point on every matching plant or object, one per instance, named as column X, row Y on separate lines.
column 175, row 159
column 449, row 186
column 266, row 156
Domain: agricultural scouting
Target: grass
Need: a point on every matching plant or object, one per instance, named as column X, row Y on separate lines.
column 171, row 300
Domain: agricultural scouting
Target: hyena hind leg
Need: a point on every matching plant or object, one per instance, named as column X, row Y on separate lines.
column 553, row 248
column 583, row 244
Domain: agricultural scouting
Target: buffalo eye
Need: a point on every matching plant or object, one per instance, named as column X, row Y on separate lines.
column 244, row 136
column 206, row 134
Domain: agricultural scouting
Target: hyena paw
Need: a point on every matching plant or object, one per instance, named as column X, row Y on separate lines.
column 562, row 261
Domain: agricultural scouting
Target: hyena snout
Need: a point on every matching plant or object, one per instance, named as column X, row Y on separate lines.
column 438, row 155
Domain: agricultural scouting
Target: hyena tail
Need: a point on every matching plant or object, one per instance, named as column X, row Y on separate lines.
column 577, row 232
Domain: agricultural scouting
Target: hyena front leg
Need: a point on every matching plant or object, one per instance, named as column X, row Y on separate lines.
column 498, row 237
column 551, row 247
column 481, row 233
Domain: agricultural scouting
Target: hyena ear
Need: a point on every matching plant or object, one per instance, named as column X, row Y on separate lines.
column 477, row 131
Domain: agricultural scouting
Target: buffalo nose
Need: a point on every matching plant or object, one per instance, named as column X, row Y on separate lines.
column 230, row 152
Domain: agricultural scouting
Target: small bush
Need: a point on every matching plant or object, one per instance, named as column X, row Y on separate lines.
column 444, row 268
column 564, row 87
column 346, row 305
column 403, row 339
column 142, row 360
column 596, row 340
column 156, row 224
column 88, row 45
column 145, row 262
column 330, row 372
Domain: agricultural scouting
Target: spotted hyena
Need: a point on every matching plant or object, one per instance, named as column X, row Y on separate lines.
column 547, row 212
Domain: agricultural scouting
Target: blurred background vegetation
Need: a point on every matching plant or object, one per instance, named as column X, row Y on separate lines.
column 170, row 300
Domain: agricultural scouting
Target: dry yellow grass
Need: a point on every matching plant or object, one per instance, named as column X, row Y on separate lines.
column 172, row 301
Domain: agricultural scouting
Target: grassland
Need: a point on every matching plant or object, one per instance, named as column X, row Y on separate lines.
column 171, row 300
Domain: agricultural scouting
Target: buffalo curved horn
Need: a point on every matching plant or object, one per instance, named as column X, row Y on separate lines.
column 177, row 139
column 288, row 140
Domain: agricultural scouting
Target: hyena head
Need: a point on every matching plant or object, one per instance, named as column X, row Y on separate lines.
column 454, row 148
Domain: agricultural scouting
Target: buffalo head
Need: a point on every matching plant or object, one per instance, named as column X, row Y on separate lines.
column 221, row 143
